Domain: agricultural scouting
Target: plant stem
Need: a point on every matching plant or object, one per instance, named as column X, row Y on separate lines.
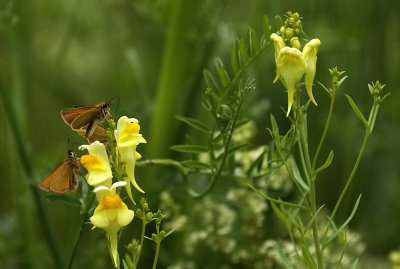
column 303, row 145
column 141, row 240
column 328, row 121
column 78, row 238
column 349, row 180
column 156, row 255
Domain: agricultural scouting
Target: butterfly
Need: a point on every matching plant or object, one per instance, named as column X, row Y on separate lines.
column 86, row 117
column 99, row 134
column 65, row 177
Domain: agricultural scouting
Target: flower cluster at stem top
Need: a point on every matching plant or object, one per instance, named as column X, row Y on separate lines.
column 112, row 213
column 291, row 63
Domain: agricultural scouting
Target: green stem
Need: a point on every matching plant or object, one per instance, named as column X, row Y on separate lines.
column 301, row 128
column 90, row 197
column 349, row 180
column 141, row 240
column 321, row 141
column 156, row 255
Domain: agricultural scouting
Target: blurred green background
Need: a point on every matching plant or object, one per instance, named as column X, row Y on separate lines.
column 151, row 53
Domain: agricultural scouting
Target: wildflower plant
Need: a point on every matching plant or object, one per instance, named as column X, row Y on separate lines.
column 110, row 166
column 316, row 239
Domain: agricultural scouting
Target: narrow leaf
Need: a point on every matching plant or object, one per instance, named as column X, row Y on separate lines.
column 189, row 148
column 285, row 260
column 196, row 164
column 194, row 123
column 326, row 164
column 276, row 200
column 253, row 42
column 307, row 257
column 278, row 212
column 234, row 58
column 210, row 81
column 328, row 91
column 296, row 174
column 313, row 218
column 357, row 111
column 344, row 225
column 223, row 74
column 266, row 27
column 243, row 57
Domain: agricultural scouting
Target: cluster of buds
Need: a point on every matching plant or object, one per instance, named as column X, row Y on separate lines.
column 112, row 213
column 291, row 63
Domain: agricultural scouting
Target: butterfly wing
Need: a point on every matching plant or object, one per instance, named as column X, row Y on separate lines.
column 99, row 134
column 85, row 119
column 70, row 114
column 62, row 179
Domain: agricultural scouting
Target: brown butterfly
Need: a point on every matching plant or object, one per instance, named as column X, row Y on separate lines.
column 65, row 177
column 86, row 117
column 99, row 134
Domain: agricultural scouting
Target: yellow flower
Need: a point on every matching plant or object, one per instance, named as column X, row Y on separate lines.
column 128, row 137
column 97, row 164
column 292, row 64
column 110, row 215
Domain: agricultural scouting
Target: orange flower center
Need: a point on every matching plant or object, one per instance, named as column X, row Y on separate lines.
column 90, row 161
column 111, row 202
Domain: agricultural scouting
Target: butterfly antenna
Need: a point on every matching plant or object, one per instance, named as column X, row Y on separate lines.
column 115, row 99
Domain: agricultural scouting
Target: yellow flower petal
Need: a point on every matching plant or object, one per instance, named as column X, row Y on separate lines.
column 124, row 217
column 291, row 66
column 97, row 164
column 100, row 219
column 310, row 55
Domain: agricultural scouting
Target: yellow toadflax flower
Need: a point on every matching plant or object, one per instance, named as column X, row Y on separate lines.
column 292, row 64
column 128, row 137
column 97, row 164
column 111, row 215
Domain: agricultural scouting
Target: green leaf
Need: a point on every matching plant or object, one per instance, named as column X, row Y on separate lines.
column 256, row 163
column 278, row 212
column 296, row 174
column 243, row 57
column 223, row 74
column 169, row 233
column 253, row 42
column 194, row 123
column 285, row 260
column 266, row 27
column 313, row 218
column 210, row 81
column 234, row 58
column 196, row 164
column 189, row 148
column 344, row 225
column 276, row 200
column 307, row 257
column 66, row 199
column 326, row 164
column 357, row 111
column 325, row 88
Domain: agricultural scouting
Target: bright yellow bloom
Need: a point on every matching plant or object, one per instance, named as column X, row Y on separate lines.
column 292, row 64
column 97, row 164
column 110, row 215
column 128, row 137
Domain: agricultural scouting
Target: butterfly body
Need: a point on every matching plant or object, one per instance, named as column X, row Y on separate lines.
column 65, row 177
